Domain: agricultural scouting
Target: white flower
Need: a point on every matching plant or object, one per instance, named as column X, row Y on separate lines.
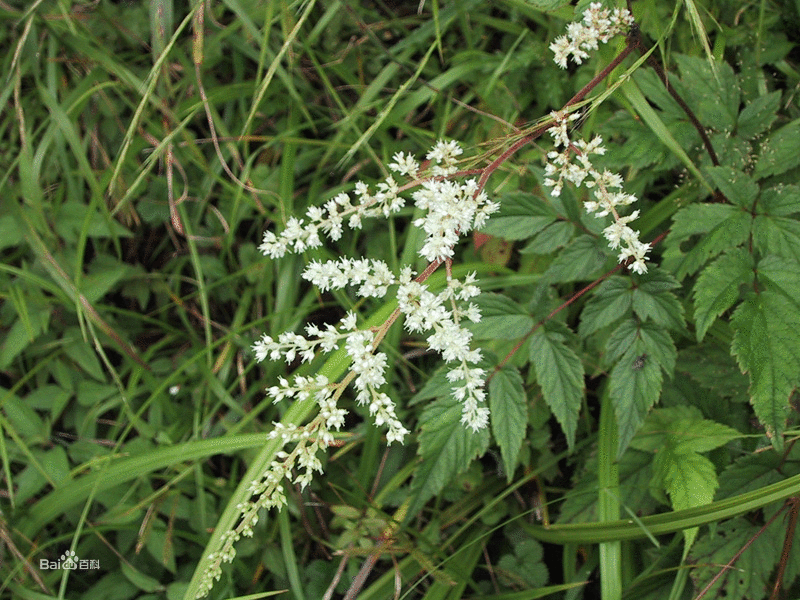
column 404, row 164
column 598, row 25
column 574, row 164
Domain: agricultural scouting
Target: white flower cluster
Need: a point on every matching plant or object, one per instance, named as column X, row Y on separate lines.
column 451, row 207
column 599, row 24
column 573, row 163
column 267, row 492
column 440, row 313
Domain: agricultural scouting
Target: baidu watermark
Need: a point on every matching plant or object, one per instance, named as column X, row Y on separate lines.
column 70, row 562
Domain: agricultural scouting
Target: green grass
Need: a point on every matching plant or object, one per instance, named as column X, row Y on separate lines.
column 144, row 149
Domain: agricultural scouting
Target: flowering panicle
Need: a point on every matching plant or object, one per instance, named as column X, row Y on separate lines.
column 300, row 234
column 599, row 25
column 573, row 163
column 451, row 209
column 267, row 491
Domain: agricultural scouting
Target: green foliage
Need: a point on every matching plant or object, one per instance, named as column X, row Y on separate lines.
column 131, row 290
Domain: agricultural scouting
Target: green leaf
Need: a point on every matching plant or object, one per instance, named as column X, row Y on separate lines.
column 436, row 387
column 779, row 201
column 750, row 577
column 104, row 273
column 525, row 564
column 717, row 288
column 509, row 415
column 20, row 336
column 446, row 449
column 653, row 299
column 641, row 350
column 547, row 5
column 715, row 93
column 777, row 235
column 611, row 300
column 635, row 473
column 767, row 347
column 501, row 317
column 683, row 429
column 689, row 479
column 521, row 215
column 582, row 259
column 718, row 227
column 737, row 186
column 780, row 152
column 559, row 372
column 753, row 471
column 715, row 370
column 783, row 274
column 758, row 115
column 641, row 338
column 139, row 579
column 80, row 352
column 550, row 239
column 10, row 232
column 25, row 421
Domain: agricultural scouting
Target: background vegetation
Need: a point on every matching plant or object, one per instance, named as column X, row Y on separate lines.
column 132, row 290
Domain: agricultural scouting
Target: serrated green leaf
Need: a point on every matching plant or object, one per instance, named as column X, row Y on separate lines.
column 715, row 94
column 653, row 299
column 610, row 301
column 521, row 216
column 779, row 201
column 731, row 232
column 767, row 348
column 689, row 479
column 714, row 369
column 751, row 472
column 636, row 379
column 550, row 239
column 436, row 387
column 582, row 259
column 717, row 288
column 633, row 338
column 446, row 448
column 501, row 317
column 683, row 429
column 758, row 115
column 559, row 372
column 696, row 220
column 736, row 185
column 783, row 274
column 780, row 152
column 635, row 473
column 509, row 415
column 777, row 235
column 750, row 577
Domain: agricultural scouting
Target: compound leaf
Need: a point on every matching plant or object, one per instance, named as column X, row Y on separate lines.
column 767, row 348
